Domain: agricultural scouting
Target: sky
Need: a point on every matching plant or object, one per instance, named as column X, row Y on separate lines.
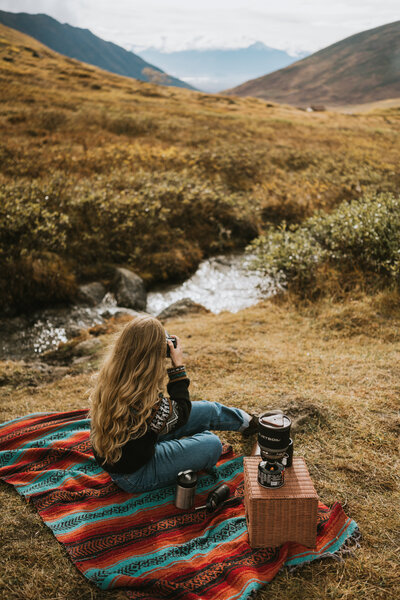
column 170, row 25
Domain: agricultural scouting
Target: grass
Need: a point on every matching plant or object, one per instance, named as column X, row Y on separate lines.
column 334, row 367
column 212, row 171
column 96, row 170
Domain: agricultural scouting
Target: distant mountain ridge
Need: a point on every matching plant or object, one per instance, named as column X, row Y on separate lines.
column 217, row 69
column 83, row 45
column 364, row 67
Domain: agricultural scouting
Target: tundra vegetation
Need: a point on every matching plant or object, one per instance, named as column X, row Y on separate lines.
column 98, row 170
column 330, row 253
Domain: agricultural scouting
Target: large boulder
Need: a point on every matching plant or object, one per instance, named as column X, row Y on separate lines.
column 91, row 294
column 129, row 290
column 181, row 307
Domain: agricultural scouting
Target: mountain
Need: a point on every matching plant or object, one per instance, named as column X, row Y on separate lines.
column 361, row 68
column 214, row 70
column 83, row 45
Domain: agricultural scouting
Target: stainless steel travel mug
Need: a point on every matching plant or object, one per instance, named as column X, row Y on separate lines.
column 186, row 482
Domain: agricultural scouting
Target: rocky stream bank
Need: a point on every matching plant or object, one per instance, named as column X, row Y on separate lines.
column 220, row 283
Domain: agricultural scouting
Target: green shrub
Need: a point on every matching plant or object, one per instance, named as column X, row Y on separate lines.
column 363, row 234
column 30, row 221
column 359, row 236
column 154, row 214
column 160, row 224
column 288, row 254
column 34, row 280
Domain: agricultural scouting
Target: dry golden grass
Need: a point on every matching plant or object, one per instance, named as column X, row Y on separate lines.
column 368, row 106
column 73, row 129
column 340, row 383
column 93, row 146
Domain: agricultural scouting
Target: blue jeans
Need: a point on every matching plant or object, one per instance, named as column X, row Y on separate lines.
column 191, row 446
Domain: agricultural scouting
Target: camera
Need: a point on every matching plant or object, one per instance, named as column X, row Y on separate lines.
column 172, row 339
column 276, row 448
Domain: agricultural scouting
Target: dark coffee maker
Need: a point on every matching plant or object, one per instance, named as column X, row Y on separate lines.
column 276, row 448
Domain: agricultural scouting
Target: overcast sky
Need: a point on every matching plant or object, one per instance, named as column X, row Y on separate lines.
column 292, row 25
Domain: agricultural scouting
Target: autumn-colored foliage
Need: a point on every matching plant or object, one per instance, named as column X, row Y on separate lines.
column 98, row 169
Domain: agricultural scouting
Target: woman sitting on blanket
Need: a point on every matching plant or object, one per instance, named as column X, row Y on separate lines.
column 142, row 437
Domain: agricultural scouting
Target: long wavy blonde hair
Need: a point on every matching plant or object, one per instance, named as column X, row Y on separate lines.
column 127, row 386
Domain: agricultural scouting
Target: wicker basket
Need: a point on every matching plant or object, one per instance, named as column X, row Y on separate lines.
column 285, row 514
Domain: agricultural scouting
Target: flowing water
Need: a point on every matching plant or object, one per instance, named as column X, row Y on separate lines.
column 220, row 283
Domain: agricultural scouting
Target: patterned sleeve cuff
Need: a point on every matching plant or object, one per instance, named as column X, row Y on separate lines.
column 177, row 373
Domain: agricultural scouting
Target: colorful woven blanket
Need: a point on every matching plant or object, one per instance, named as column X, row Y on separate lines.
column 141, row 542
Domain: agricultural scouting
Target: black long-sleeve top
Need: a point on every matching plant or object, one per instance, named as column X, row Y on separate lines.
column 169, row 414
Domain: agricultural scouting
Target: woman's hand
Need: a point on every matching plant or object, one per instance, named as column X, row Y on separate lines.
column 176, row 354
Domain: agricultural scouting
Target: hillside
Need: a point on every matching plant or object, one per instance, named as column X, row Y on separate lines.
column 361, row 68
column 83, row 45
column 99, row 170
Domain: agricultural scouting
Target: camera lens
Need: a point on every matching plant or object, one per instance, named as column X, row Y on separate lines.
column 217, row 497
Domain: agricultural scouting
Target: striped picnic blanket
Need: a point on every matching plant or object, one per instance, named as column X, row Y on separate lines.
column 141, row 542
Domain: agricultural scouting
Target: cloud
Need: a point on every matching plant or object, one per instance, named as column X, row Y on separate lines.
column 178, row 24
column 68, row 12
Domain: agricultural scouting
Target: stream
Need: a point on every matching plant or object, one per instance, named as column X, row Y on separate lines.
column 220, row 283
